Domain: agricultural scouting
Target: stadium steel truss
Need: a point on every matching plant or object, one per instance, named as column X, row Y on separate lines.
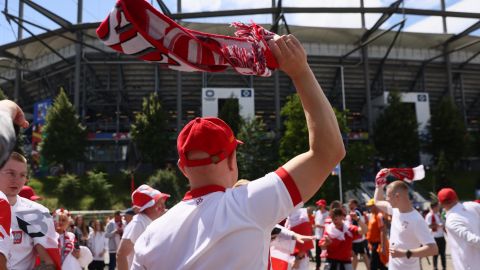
column 354, row 66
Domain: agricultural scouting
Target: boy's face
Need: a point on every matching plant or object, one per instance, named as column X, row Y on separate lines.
column 13, row 177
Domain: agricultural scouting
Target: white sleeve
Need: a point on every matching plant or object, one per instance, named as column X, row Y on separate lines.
column 284, row 232
column 457, row 227
column 268, row 200
column 423, row 233
column 473, row 207
column 389, row 209
column 133, row 231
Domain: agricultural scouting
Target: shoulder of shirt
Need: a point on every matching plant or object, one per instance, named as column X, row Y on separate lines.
column 31, row 204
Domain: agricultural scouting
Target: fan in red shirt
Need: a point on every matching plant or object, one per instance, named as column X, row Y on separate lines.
column 337, row 240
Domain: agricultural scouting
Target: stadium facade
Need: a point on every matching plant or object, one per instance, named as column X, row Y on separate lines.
column 354, row 67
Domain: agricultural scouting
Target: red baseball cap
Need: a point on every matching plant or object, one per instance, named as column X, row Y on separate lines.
column 28, row 193
column 321, row 202
column 145, row 196
column 447, row 195
column 210, row 135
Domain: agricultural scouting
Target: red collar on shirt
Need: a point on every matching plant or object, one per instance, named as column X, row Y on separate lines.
column 198, row 192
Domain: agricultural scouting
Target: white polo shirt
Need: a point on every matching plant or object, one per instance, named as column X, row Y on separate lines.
column 320, row 220
column 38, row 223
column 429, row 219
column 5, row 216
column 134, row 229
column 408, row 231
column 463, row 236
column 214, row 228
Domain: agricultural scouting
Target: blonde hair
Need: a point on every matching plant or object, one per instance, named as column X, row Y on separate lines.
column 18, row 157
column 241, row 182
column 398, row 185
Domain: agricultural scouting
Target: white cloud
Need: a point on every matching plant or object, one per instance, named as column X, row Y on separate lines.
column 433, row 24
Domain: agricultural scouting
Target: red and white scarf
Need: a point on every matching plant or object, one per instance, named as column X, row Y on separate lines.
column 334, row 233
column 406, row 174
column 136, row 28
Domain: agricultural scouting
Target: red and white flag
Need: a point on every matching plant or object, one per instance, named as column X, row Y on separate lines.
column 136, row 28
column 406, row 174
column 299, row 222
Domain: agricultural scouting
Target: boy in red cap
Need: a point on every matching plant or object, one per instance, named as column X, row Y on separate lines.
column 463, row 230
column 320, row 215
column 213, row 222
column 151, row 205
column 27, row 192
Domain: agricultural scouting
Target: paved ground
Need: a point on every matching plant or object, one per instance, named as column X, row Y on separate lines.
column 426, row 264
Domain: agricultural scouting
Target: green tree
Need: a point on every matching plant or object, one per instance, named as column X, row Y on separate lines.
column 99, row 189
column 230, row 113
column 396, row 133
column 150, row 131
column 295, row 137
column 359, row 157
column 65, row 137
column 69, row 191
column 257, row 156
column 448, row 132
column 166, row 181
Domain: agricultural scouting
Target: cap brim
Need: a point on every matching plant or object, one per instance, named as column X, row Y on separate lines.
column 239, row 142
column 35, row 198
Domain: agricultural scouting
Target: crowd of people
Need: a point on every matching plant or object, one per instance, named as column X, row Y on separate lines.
column 220, row 225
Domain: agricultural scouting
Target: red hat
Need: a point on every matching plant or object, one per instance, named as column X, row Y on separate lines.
column 28, row 193
column 447, row 194
column 145, row 196
column 210, row 135
column 321, row 202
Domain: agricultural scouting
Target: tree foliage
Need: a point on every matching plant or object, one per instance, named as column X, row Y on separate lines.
column 150, row 131
column 396, row 133
column 359, row 158
column 295, row 137
column 167, row 181
column 448, row 132
column 257, row 156
column 230, row 113
column 69, row 191
column 99, row 189
column 65, row 137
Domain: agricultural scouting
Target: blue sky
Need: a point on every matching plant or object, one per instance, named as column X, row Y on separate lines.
column 96, row 10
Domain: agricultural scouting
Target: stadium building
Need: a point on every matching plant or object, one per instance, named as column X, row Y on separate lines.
column 357, row 68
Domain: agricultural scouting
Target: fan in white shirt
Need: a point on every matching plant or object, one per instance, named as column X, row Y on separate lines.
column 151, row 205
column 217, row 227
column 435, row 223
column 410, row 237
column 9, row 113
column 463, row 231
column 32, row 228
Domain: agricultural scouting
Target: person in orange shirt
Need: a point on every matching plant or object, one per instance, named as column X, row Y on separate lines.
column 375, row 235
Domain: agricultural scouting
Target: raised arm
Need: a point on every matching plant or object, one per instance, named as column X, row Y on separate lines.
column 380, row 201
column 310, row 169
